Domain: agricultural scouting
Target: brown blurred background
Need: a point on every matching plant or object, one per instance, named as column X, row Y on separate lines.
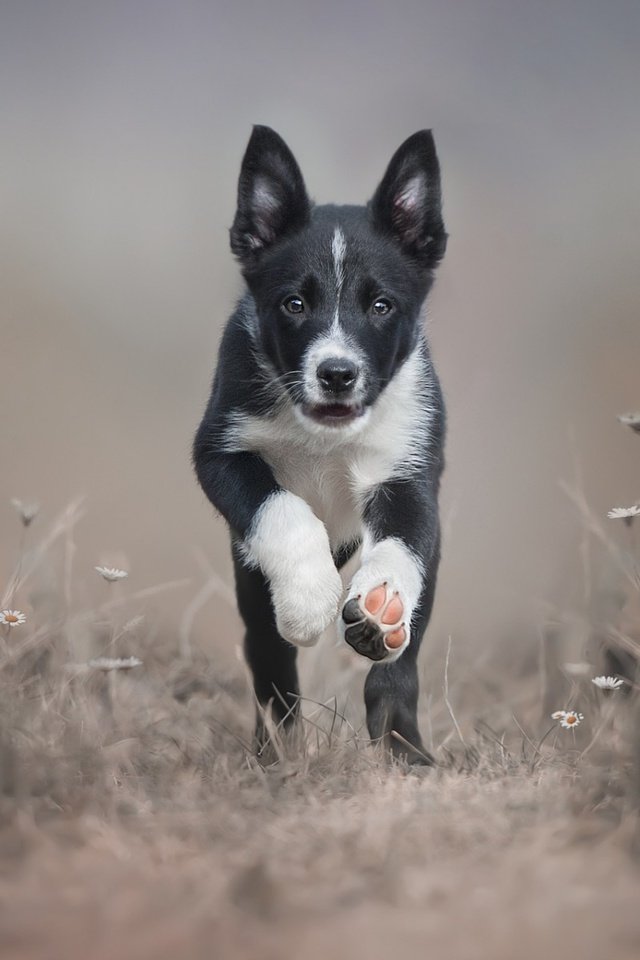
column 122, row 129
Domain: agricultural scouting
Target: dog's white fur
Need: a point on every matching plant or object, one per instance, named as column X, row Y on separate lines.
column 291, row 546
column 338, row 252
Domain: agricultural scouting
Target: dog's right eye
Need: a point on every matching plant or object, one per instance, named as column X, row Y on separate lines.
column 293, row 305
column 381, row 307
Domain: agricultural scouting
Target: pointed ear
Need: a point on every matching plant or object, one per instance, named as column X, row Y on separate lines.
column 408, row 205
column 272, row 199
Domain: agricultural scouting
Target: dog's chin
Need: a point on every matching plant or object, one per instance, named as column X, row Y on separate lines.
column 334, row 417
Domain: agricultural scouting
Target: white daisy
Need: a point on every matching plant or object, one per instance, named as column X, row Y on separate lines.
column 115, row 663
column 608, row 683
column 631, row 420
column 12, row 618
column 26, row 511
column 624, row 513
column 112, row 573
column 570, row 719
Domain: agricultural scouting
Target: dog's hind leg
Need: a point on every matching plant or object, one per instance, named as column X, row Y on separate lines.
column 271, row 659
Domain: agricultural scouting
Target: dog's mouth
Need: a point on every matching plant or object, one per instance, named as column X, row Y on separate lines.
column 333, row 414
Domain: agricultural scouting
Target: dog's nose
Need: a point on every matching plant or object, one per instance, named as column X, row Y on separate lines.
column 337, row 374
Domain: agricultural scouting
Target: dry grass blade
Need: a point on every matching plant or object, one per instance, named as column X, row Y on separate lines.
column 446, row 694
column 61, row 527
column 413, row 749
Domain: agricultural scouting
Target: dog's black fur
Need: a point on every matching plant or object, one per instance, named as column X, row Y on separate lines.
column 323, row 372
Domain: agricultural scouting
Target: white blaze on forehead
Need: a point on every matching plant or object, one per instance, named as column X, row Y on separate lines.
column 338, row 250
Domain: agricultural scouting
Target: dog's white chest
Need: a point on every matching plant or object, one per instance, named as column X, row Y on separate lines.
column 334, row 472
column 322, row 474
column 325, row 483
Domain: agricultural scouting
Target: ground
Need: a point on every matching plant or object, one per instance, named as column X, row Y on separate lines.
column 136, row 821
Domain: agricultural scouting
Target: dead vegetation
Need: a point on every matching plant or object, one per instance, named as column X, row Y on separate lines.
column 136, row 822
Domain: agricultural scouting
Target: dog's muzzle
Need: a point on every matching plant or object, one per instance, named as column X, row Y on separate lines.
column 336, row 405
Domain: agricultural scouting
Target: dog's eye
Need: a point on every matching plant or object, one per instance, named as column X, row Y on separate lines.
column 380, row 307
column 293, row 305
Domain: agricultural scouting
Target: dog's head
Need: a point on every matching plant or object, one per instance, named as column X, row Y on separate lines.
column 338, row 290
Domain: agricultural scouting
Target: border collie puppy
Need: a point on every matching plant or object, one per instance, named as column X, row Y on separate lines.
column 324, row 431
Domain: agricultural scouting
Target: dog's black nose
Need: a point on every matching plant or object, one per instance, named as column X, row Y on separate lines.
column 337, row 375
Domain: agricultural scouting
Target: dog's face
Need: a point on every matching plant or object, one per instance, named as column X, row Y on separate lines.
column 338, row 290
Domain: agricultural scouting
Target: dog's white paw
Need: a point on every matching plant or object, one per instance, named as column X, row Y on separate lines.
column 291, row 545
column 382, row 597
column 307, row 601
column 376, row 620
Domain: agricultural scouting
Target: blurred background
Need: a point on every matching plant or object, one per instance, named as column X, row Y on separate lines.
column 123, row 126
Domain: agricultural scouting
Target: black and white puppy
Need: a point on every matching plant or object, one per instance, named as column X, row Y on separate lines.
column 325, row 426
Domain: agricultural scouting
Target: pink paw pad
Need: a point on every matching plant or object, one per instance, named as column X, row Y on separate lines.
column 386, row 608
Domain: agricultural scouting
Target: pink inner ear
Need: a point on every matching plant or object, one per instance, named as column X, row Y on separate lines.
column 264, row 199
column 412, row 195
column 408, row 207
column 266, row 207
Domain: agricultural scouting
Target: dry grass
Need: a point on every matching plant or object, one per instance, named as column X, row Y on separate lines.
column 135, row 821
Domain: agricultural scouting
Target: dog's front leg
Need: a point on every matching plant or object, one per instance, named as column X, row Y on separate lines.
column 400, row 555
column 291, row 546
column 278, row 532
column 388, row 607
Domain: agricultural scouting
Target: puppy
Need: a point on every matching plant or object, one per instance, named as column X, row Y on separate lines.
column 324, row 431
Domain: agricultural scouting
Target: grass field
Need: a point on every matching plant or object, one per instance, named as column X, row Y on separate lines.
column 137, row 823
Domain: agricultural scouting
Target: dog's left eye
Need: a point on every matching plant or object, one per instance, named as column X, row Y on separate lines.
column 381, row 307
column 293, row 305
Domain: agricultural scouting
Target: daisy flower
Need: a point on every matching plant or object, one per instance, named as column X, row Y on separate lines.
column 115, row 663
column 568, row 718
column 12, row 618
column 26, row 511
column 112, row 573
column 631, row 420
column 624, row 513
column 571, row 719
column 608, row 683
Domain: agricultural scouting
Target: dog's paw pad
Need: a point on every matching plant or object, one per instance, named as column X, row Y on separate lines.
column 384, row 606
column 396, row 638
column 394, row 611
column 374, row 624
column 376, row 599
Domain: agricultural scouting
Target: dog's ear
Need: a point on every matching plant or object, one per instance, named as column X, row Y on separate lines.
column 408, row 205
column 272, row 198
